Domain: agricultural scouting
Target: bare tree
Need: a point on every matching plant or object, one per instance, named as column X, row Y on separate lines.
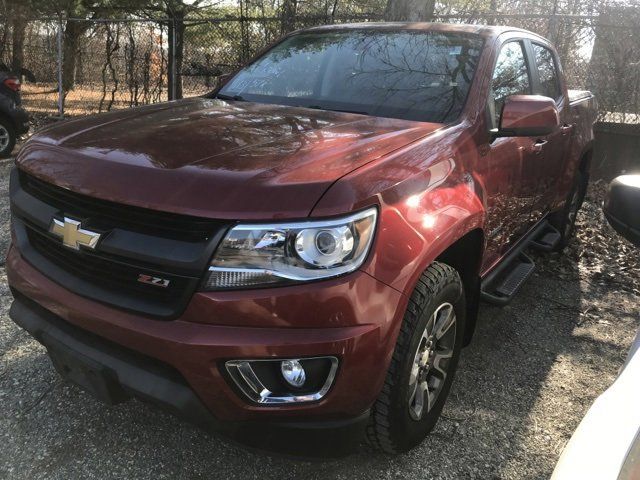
column 176, row 11
column 409, row 10
column 72, row 37
column 112, row 44
column 18, row 26
column 288, row 15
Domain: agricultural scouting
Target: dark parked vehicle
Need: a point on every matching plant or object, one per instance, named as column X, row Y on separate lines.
column 305, row 249
column 622, row 207
column 14, row 120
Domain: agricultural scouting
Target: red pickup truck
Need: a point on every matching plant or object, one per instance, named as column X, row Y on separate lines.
column 303, row 251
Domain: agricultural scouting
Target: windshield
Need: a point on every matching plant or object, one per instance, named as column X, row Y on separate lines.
column 410, row 75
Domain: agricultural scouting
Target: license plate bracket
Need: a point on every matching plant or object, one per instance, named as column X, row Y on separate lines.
column 85, row 372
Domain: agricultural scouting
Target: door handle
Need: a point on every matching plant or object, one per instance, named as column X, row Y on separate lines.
column 538, row 146
column 566, row 128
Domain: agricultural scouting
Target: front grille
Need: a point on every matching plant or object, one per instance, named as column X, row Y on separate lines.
column 135, row 242
column 113, row 275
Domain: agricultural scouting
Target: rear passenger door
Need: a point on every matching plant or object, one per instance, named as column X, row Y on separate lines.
column 549, row 164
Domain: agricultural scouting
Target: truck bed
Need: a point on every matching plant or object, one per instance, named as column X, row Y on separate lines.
column 576, row 96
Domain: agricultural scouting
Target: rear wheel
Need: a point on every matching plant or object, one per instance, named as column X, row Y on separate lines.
column 423, row 362
column 566, row 222
column 7, row 138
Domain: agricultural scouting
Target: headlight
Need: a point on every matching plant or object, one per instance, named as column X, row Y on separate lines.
column 255, row 255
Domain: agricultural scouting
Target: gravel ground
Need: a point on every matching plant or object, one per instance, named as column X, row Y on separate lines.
column 523, row 385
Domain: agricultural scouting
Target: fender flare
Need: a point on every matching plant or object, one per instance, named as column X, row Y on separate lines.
column 462, row 229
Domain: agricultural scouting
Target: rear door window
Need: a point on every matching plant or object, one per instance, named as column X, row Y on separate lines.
column 547, row 72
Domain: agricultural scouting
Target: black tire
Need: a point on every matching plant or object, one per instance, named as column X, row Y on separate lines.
column 394, row 426
column 7, row 138
column 566, row 219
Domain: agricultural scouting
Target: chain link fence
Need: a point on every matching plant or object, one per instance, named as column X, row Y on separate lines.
column 116, row 64
column 130, row 62
column 214, row 47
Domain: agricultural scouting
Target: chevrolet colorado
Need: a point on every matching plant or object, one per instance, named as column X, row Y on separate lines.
column 301, row 253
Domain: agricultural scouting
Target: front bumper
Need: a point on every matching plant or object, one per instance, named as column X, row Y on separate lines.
column 363, row 315
column 114, row 374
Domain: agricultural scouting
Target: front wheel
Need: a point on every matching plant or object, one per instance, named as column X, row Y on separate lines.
column 423, row 362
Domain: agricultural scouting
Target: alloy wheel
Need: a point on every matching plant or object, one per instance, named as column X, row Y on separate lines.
column 4, row 137
column 430, row 364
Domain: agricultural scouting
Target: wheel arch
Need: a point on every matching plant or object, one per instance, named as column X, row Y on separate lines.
column 465, row 256
column 4, row 116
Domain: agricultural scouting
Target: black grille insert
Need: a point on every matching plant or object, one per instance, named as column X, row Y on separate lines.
column 105, row 215
column 113, row 275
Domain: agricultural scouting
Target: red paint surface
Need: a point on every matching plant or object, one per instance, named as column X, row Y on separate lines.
column 529, row 111
column 212, row 158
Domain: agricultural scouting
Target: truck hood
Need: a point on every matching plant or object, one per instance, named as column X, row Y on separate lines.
column 210, row 158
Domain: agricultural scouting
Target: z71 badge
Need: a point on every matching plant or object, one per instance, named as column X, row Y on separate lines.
column 157, row 281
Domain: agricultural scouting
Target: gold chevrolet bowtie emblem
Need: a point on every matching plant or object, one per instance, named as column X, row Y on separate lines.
column 72, row 234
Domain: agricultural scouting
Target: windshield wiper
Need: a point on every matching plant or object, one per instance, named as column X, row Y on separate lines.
column 318, row 107
column 237, row 98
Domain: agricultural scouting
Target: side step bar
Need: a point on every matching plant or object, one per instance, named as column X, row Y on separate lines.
column 504, row 281
column 504, row 286
column 547, row 240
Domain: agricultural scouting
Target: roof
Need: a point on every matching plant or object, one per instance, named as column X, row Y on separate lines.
column 482, row 30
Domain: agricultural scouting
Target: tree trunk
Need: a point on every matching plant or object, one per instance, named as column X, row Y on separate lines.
column 176, row 53
column 288, row 16
column 410, row 10
column 19, row 25
column 79, row 66
column 552, row 31
column 73, row 32
column 491, row 20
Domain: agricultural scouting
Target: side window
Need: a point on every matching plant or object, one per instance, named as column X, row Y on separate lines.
column 510, row 77
column 549, row 85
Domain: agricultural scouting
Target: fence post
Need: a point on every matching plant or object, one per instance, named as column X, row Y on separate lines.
column 172, row 60
column 60, row 60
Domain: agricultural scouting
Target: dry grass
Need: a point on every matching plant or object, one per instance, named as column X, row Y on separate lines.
column 42, row 98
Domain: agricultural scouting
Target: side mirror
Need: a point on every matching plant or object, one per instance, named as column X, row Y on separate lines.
column 528, row 116
column 622, row 207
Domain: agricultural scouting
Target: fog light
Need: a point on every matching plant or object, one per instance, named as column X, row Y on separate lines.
column 275, row 381
column 293, row 372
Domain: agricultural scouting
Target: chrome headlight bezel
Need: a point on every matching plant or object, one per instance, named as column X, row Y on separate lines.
column 276, row 254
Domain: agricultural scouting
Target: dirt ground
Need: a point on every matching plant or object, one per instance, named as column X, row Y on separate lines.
column 531, row 373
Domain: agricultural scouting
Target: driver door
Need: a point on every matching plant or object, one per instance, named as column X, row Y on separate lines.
column 511, row 192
